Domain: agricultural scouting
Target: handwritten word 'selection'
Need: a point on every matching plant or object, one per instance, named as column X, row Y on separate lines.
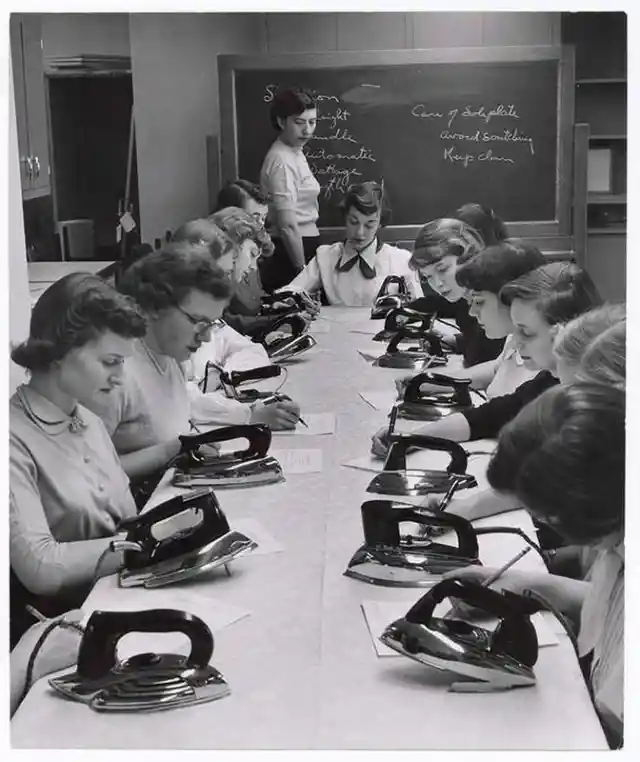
column 488, row 139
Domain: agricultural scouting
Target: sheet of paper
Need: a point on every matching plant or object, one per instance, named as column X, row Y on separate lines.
column 380, row 400
column 379, row 614
column 299, row 461
column 318, row 424
column 366, row 463
column 197, row 598
column 267, row 543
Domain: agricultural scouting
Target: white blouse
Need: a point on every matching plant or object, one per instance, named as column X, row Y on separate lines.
column 510, row 371
column 351, row 288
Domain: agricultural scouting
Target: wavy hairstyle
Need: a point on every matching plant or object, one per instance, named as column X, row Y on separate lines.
column 559, row 290
column 485, row 221
column 203, row 231
column 563, row 456
column 240, row 226
column 368, row 198
column 605, row 359
column 238, row 192
column 441, row 238
column 73, row 311
column 165, row 278
column 292, row 101
column 494, row 267
column 573, row 338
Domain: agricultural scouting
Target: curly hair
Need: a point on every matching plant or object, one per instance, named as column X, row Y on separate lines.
column 240, row 226
column 494, row 267
column 559, row 290
column 368, row 198
column 165, row 278
column 291, row 102
column 205, row 232
column 73, row 311
column 563, row 456
column 483, row 220
column 442, row 238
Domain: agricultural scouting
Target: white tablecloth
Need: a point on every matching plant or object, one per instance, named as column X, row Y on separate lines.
column 301, row 667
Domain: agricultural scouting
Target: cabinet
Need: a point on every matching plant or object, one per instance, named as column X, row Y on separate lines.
column 30, row 99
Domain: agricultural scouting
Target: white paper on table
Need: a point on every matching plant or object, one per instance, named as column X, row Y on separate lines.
column 383, row 400
column 213, row 613
column 379, row 614
column 299, row 461
column 267, row 543
column 366, row 463
column 318, row 424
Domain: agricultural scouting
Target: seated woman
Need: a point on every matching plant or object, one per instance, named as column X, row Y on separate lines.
column 440, row 247
column 538, row 301
column 68, row 491
column 483, row 276
column 484, row 221
column 546, row 460
column 351, row 272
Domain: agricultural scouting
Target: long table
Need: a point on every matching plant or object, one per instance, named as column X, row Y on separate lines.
column 301, row 667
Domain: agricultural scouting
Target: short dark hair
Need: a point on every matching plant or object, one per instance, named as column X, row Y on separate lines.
column 483, row 219
column 494, row 267
column 165, row 278
column 205, row 232
column 563, row 456
column 240, row 226
column 560, row 291
column 238, row 192
column 72, row 312
column 368, row 198
column 291, row 102
column 441, row 238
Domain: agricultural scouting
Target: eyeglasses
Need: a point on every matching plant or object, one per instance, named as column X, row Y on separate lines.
column 202, row 324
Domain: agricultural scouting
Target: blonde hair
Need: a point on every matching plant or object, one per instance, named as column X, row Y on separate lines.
column 605, row 359
column 574, row 338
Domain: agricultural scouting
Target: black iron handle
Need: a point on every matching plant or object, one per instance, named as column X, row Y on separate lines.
column 98, row 648
column 296, row 322
column 390, row 280
column 258, row 435
column 460, row 387
column 237, row 377
column 397, row 455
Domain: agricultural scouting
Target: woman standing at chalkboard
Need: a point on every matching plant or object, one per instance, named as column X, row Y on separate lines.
column 293, row 190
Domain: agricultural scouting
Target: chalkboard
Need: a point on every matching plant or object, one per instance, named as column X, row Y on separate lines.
column 439, row 132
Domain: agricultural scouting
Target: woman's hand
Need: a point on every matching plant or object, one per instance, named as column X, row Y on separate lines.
column 380, row 443
column 279, row 416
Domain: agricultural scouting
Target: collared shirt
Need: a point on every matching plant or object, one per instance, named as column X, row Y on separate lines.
column 602, row 634
column 351, row 288
column 287, row 178
column 68, row 493
column 510, row 371
column 152, row 405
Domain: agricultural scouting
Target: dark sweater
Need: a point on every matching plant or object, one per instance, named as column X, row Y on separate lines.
column 472, row 343
column 486, row 420
column 243, row 312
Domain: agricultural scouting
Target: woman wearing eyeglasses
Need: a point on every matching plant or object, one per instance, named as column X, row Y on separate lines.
column 183, row 295
column 352, row 271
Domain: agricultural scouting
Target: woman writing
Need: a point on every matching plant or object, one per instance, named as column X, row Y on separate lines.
column 293, row 190
column 68, row 491
column 351, row 272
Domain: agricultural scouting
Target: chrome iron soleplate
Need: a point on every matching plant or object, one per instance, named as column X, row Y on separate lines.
column 169, row 682
column 245, row 474
column 409, row 361
column 293, row 349
column 213, row 555
column 416, row 483
column 416, row 411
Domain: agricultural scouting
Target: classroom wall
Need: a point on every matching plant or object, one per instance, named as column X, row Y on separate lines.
column 19, row 300
column 175, row 78
column 67, row 34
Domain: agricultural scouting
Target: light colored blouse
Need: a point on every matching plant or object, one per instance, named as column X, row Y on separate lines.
column 68, row 493
column 602, row 632
column 350, row 288
column 152, row 405
column 287, row 178
column 510, row 371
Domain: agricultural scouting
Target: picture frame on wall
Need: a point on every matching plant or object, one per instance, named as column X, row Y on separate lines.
column 599, row 174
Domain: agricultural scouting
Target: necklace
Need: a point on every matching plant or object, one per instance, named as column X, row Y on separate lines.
column 73, row 422
column 153, row 358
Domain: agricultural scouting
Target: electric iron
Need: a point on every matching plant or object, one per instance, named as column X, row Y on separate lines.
column 240, row 468
column 230, row 381
column 400, row 317
column 187, row 552
column 493, row 660
column 146, row 682
column 286, row 303
column 396, row 479
column 429, row 352
column 391, row 560
column 285, row 347
column 386, row 301
column 430, row 406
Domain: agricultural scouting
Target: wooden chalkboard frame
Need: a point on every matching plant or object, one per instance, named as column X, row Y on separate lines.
column 558, row 230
